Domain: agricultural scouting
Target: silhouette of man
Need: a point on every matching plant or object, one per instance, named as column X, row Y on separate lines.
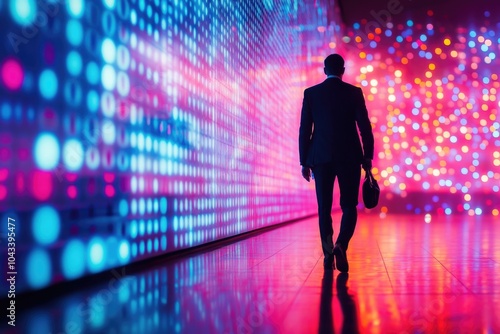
column 329, row 145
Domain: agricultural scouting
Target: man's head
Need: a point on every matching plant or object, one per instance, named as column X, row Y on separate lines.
column 334, row 65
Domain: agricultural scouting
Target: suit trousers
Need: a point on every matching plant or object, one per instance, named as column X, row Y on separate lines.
column 349, row 177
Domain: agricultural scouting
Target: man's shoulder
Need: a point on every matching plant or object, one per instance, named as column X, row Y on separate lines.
column 315, row 87
column 343, row 84
column 350, row 86
column 319, row 88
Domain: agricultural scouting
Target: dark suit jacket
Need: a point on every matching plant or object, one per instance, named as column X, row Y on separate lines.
column 332, row 113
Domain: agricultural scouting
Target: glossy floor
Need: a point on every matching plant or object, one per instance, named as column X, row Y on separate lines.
column 406, row 276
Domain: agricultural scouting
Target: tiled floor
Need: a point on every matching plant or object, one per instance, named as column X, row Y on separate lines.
column 406, row 276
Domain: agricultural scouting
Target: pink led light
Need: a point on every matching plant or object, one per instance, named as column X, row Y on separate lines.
column 109, row 191
column 12, row 74
column 42, row 186
column 3, row 192
column 4, row 172
column 5, row 154
column 20, row 182
column 71, row 177
column 72, row 192
column 109, row 177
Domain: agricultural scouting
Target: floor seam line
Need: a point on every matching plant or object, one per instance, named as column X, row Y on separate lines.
column 385, row 266
column 452, row 274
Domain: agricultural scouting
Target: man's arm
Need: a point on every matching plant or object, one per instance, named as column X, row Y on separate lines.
column 305, row 131
column 365, row 129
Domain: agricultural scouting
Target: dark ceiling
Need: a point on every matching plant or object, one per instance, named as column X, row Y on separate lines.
column 446, row 12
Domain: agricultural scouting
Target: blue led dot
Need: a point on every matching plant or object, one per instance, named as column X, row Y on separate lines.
column 38, row 269
column 108, row 50
column 109, row 3
column 76, row 8
column 74, row 32
column 73, row 259
column 133, row 229
column 163, row 205
column 74, row 63
column 47, row 84
column 124, row 251
column 123, row 84
column 96, row 255
column 123, row 208
column 92, row 73
column 134, row 249
column 163, row 224
column 23, row 11
column 46, row 151
column 142, row 207
column 108, row 132
column 6, row 111
column 108, row 77
column 163, row 243
column 92, row 101
column 73, row 155
column 133, row 17
column 46, row 225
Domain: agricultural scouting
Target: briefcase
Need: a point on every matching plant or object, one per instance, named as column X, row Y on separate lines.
column 371, row 191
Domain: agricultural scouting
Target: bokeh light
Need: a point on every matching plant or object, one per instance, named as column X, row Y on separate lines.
column 433, row 104
column 12, row 74
column 46, row 225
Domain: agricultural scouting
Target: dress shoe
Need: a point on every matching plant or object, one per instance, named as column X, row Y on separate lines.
column 341, row 258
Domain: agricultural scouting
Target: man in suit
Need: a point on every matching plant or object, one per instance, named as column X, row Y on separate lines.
column 329, row 145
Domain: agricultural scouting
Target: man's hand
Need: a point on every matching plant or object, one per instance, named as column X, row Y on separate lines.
column 306, row 173
column 367, row 164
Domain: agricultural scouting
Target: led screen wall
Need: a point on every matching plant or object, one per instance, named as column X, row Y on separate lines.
column 133, row 128
column 432, row 88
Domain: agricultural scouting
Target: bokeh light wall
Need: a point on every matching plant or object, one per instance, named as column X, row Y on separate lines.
column 133, row 128
column 432, row 88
